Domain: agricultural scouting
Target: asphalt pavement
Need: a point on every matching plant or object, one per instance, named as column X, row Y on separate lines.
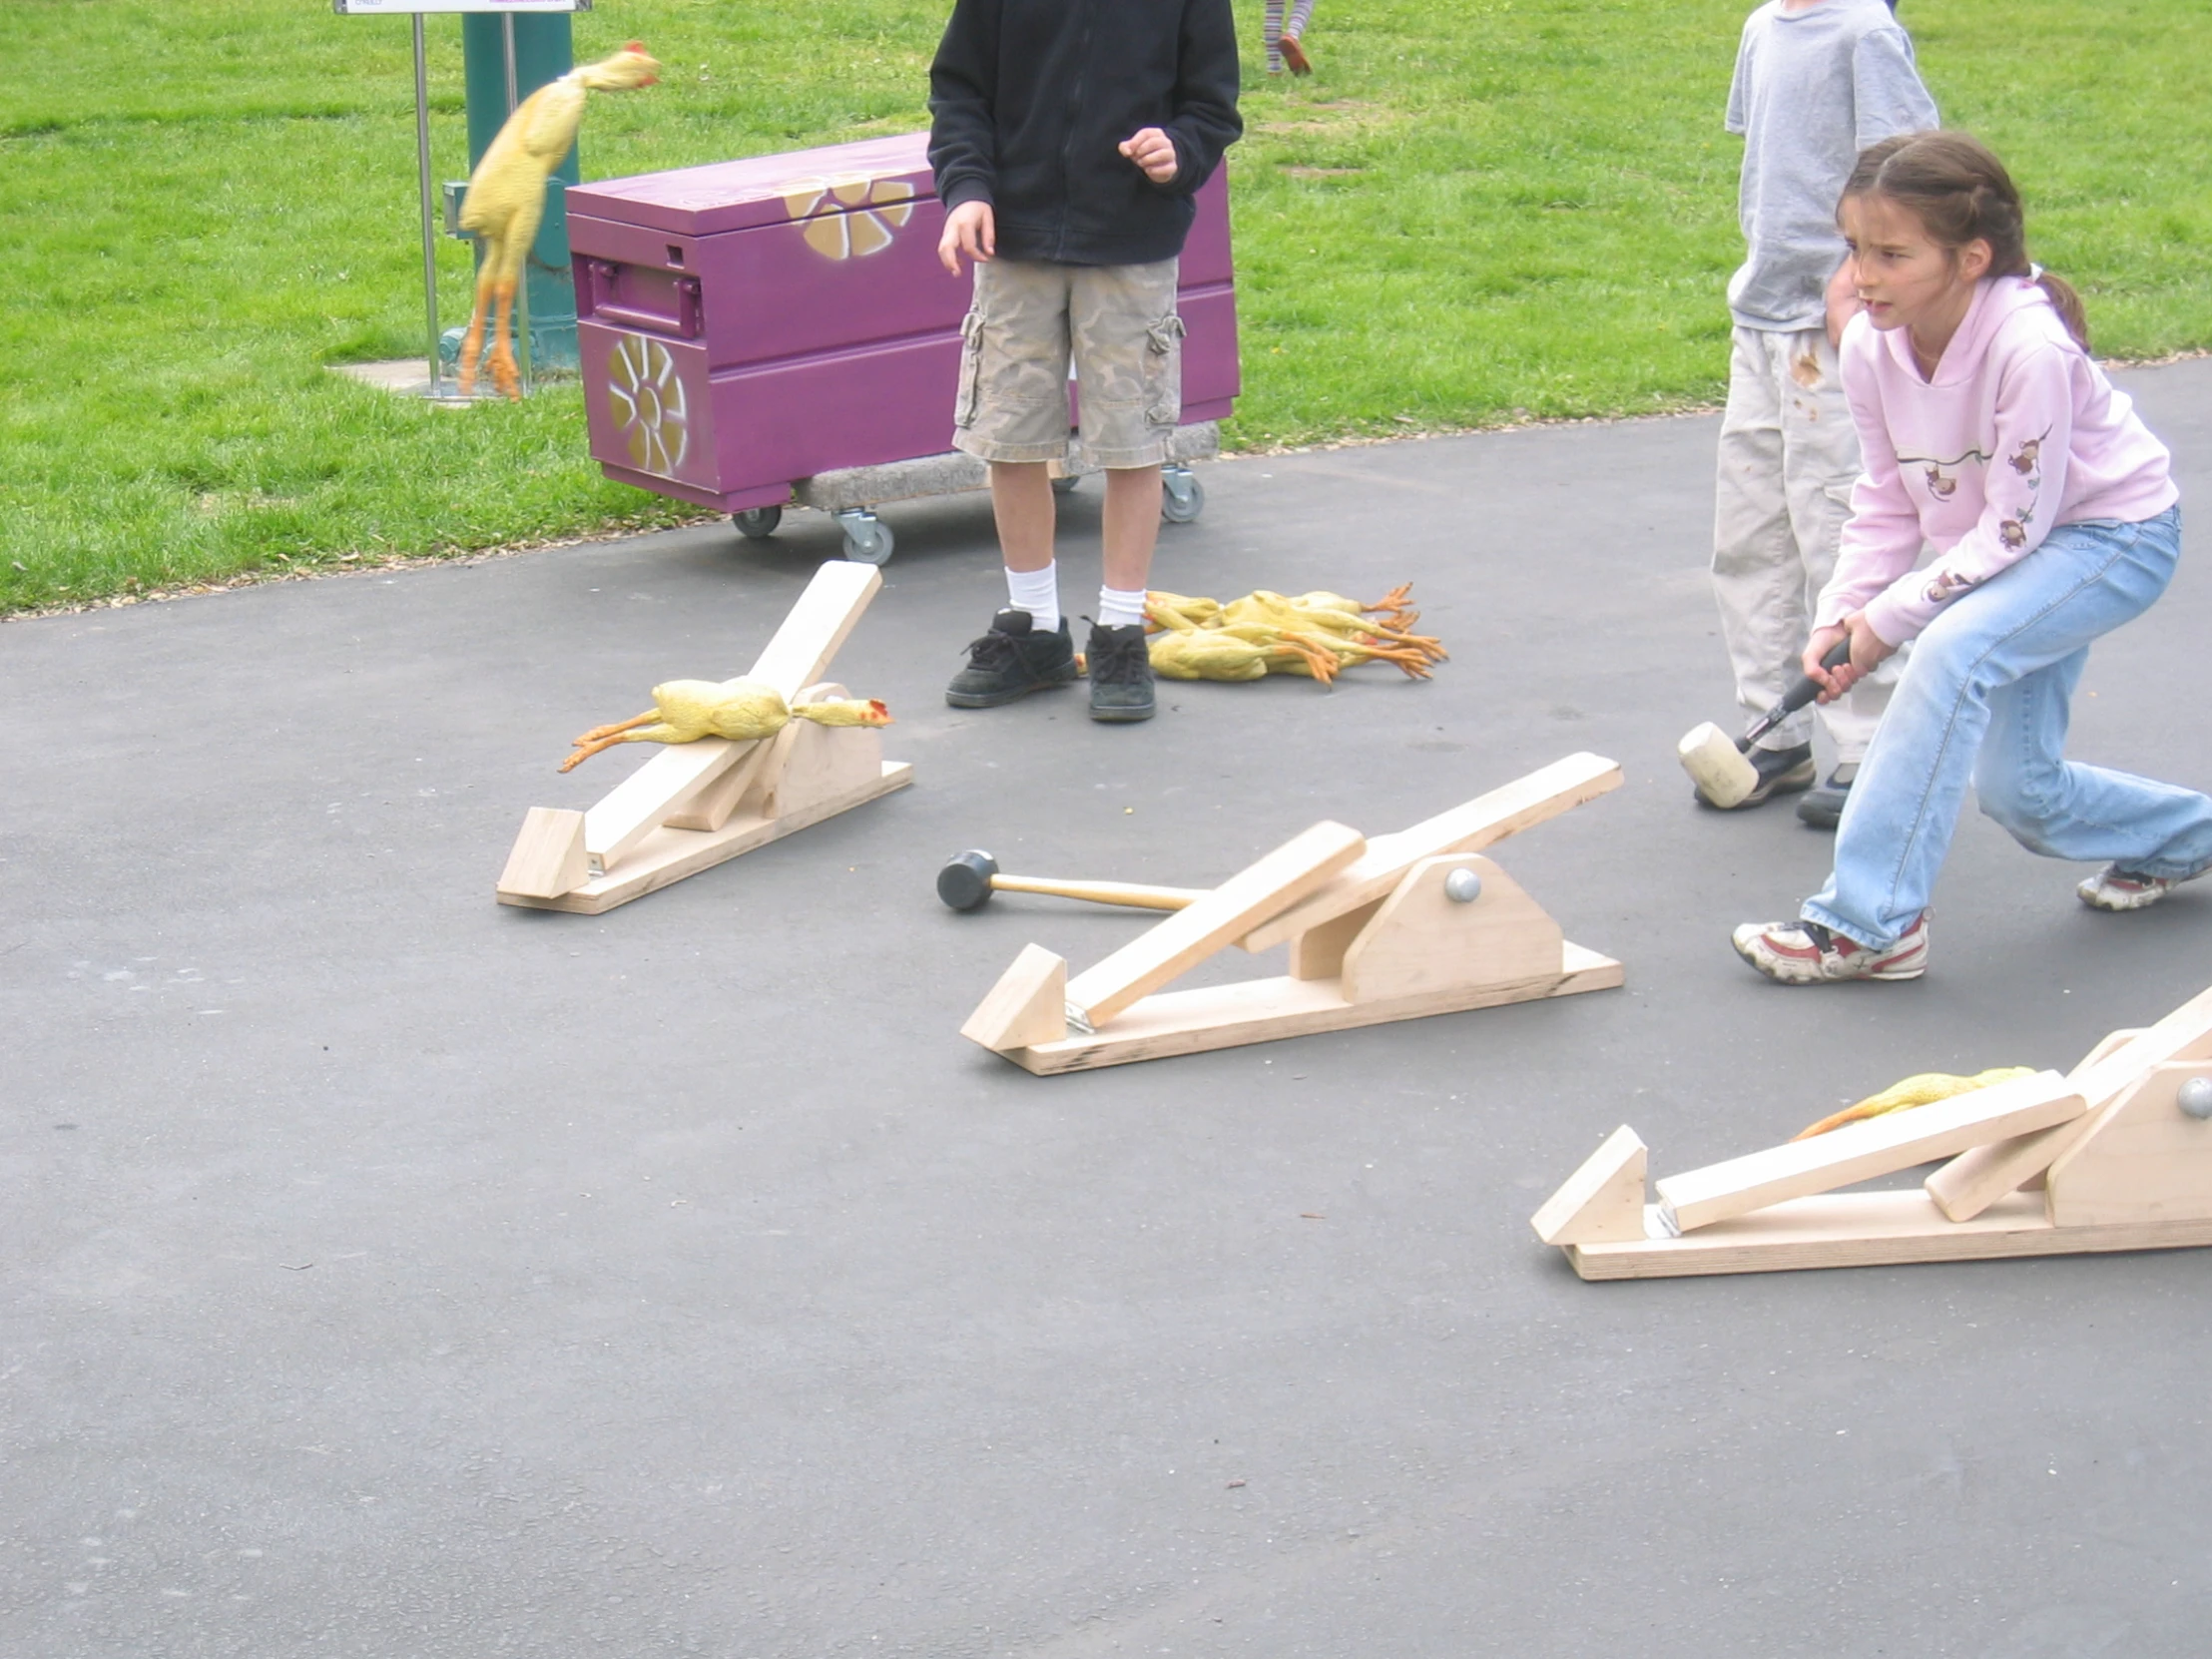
column 387, row 1273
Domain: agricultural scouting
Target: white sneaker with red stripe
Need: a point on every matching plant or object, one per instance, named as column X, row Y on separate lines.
column 2115, row 889
column 1806, row 953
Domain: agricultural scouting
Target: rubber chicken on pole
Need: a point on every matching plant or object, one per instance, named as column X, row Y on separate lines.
column 506, row 196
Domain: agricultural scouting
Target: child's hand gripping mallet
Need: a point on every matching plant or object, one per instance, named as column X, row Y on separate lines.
column 1716, row 763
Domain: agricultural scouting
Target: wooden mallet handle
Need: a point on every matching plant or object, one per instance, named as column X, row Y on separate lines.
column 1129, row 893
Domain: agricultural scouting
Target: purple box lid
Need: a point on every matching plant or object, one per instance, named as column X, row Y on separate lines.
column 766, row 190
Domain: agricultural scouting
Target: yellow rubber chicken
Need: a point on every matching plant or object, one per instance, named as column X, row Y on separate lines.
column 506, row 196
column 684, row 710
column 1390, row 607
column 1318, row 634
column 1181, row 612
column 1920, row 1090
column 1240, row 653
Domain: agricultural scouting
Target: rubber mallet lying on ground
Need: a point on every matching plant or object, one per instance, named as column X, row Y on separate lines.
column 968, row 880
column 1716, row 763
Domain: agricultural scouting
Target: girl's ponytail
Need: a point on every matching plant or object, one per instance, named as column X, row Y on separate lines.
column 2065, row 302
column 1960, row 192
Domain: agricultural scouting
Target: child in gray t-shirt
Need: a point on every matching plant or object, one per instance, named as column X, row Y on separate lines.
column 1817, row 81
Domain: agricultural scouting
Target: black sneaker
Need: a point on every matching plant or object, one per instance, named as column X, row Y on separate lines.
column 1780, row 772
column 1121, row 672
column 1823, row 805
column 1011, row 661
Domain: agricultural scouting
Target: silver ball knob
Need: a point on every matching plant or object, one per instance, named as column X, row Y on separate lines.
column 2196, row 1097
column 1463, row 885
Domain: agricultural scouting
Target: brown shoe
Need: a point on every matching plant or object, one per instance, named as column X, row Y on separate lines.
column 1295, row 56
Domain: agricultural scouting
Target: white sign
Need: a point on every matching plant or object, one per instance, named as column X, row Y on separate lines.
column 400, row 8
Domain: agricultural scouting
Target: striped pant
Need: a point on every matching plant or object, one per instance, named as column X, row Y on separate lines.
column 1302, row 13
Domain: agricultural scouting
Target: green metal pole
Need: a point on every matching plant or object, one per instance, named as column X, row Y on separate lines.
column 544, row 51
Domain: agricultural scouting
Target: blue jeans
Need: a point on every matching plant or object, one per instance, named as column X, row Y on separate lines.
column 1984, row 699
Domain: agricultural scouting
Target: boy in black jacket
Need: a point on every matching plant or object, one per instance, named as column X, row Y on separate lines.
column 1067, row 138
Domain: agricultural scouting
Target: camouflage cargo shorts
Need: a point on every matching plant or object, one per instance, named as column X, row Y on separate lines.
column 1119, row 323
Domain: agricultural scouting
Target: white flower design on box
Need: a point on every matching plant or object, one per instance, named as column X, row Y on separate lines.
column 650, row 405
column 850, row 218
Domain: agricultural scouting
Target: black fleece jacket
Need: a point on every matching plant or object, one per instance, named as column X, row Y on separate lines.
column 1029, row 101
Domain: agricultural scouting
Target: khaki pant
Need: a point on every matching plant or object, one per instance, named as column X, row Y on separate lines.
column 1788, row 456
column 1119, row 324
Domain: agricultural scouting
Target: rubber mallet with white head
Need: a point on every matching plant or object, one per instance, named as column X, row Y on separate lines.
column 970, row 878
column 1715, row 761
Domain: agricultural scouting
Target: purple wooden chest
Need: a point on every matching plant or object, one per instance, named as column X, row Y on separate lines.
column 747, row 324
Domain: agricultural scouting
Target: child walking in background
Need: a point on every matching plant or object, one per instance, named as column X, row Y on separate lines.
column 1817, row 81
column 1067, row 142
column 1283, row 43
column 1990, row 436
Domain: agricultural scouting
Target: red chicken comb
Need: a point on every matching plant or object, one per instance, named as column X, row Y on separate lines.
column 637, row 46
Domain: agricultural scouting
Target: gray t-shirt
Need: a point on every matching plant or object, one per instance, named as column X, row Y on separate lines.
column 1812, row 89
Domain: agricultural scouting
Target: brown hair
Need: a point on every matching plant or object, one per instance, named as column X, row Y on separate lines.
column 1960, row 192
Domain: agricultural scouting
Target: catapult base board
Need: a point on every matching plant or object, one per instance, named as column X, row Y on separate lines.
column 668, row 855
column 1261, row 1011
column 1866, row 1230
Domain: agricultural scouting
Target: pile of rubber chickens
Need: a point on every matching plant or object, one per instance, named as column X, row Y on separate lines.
column 1316, row 634
column 684, row 710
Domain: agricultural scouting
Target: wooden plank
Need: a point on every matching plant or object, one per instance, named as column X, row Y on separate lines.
column 824, row 761
column 1974, row 1179
column 713, row 804
column 1193, row 933
column 1027, row 1005
column 1847, row 1230
column 2113, row 1043
column 1469, row 828
column 668, row 855
column 2146, row 1160
column 1604, row 1200
column 1424, row 940
column 1319, row 953
column 1261, row 1011
column 548, row 856
column 800, row 649
column 642, row 802
column 1864, row 1149
column 817, row 625
column 1970, row 1183
column 714, row 801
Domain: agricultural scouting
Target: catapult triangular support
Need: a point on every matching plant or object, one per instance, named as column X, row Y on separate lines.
column 694, row 804
column 1378, row 930
column 2121, row 1146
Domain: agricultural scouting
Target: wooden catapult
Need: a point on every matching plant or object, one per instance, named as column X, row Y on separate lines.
column 694, row 804
column 1397, row 928
column 2121, row 1148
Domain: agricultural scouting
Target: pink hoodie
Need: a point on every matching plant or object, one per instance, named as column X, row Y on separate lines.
column 2018, row 433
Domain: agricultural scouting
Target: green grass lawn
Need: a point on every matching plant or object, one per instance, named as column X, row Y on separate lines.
column 1472, row 213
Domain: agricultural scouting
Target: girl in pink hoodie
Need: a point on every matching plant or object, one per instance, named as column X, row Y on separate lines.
column 1990, row 434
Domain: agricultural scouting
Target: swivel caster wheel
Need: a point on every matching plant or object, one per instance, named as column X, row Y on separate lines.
column 1182, row 497
column 867, row 539
column 758, row 523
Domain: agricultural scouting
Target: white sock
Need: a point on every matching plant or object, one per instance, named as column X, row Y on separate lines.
column 1118, row 608
column 1038, row 593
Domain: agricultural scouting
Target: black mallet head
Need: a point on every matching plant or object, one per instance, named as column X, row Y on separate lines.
column 965, row 882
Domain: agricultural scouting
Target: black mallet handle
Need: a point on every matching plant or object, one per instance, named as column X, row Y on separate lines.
column 1799, row 694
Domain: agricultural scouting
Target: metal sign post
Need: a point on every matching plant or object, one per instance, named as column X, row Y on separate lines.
column 429, row 239
column 522, row 289
column 414, row 10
